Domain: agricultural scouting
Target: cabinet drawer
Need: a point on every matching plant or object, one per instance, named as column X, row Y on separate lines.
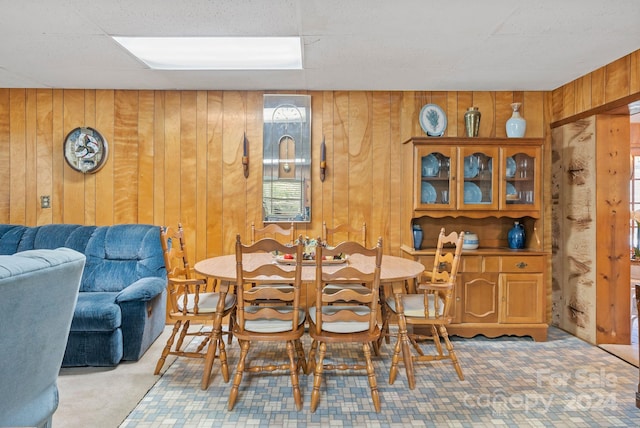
column 521, row 264
column 480, row 264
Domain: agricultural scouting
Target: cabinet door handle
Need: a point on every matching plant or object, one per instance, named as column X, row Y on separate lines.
column 521, row 265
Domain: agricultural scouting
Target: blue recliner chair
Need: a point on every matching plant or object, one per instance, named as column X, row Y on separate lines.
column 38, row 291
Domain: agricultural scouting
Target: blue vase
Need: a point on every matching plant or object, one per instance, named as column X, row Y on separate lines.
column 516, row 236
column 417, row 236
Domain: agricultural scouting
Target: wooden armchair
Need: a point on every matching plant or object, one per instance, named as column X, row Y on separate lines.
column 429, row 307
column 333, row 321
column 191, row 303
column 284, row 234
column 280, row 321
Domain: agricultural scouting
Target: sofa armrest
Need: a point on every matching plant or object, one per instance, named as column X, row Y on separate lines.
column 143, row 289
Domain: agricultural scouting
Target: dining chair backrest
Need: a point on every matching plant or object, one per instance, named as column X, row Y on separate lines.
column 362, row 267
column 174, row 250
column 344, row 232
column 251, row 299
column 284, row 233
column 446, row 263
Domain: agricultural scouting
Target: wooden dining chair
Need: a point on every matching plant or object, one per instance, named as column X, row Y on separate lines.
column 331, row 321
column 330, row 235
column 344, row 230
column 430, row 307
column 191, row 305
column 282, row 233
column 281, row 322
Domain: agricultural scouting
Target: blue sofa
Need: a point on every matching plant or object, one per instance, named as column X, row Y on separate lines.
column 38, row 291
column 121, row 306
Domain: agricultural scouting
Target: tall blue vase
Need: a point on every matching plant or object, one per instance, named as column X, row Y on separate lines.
column 516, row 236
column 417, row 236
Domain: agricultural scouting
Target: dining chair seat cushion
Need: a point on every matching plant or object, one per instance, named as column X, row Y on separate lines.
column 270, row 325
column 414, row 305
column 207, row 303
column 342, row 326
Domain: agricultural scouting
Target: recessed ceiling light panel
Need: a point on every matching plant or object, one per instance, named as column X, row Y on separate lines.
column 216, row 53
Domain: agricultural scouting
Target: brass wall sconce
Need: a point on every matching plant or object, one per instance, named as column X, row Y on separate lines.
column 245, row 155
column 323, row 160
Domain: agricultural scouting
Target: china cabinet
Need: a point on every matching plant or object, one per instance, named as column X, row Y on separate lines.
column 482, row 185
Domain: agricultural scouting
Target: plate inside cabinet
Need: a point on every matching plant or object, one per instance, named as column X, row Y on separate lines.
column 472, row 193
column 430, row 166
column 511, row 167
column 470, row 166
column 428, row 193
column 433, row 120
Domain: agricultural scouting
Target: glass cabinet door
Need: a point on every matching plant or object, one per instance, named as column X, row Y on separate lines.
column 479, row 170
column 434, row 171
column 520, row 174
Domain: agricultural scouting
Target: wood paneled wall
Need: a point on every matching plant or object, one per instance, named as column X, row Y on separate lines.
column 618, row 81
column 176, row 156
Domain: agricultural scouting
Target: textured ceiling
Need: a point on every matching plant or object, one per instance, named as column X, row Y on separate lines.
column 348, row 44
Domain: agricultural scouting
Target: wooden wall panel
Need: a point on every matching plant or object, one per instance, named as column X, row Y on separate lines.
column 17, row 153
column 73, row 183
column 200, row 238
column 325, row 211
column 215, row 194
column 234, row 214
column 612, row 201
column 253, row 126
column 104, row 180
column 126, row 156
column 360, row 174
column 176, row 156
column 58, row 164
column 187, row 165
column 340, row 159
column 5, row 155
column 31, row 159
column 617, row 79
column 44, row 152
column 90, row 179
column 574, row 230
column 379, row 221
column 172, row 184
column 605, row 85
column 634, row 73
column 146, row 157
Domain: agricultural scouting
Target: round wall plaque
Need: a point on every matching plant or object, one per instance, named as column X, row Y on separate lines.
column 85, row 150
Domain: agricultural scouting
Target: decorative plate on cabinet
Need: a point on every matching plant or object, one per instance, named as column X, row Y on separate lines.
column 433, row 120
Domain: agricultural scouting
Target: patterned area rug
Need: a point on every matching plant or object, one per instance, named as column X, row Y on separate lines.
column 508, row 381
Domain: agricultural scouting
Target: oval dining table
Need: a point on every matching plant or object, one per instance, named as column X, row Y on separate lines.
column 392, row 271
column 223, row 268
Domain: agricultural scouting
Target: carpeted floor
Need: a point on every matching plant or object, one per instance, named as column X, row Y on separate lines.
column 509, row 382
column 102, row 397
